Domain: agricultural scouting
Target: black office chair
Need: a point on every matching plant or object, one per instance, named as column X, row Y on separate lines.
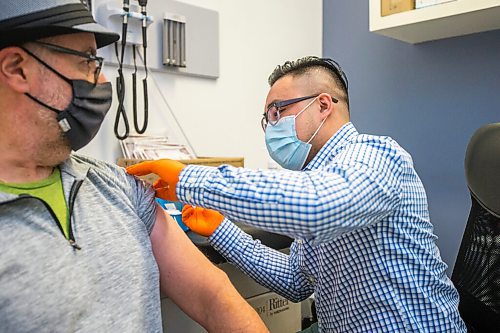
column 476, row 274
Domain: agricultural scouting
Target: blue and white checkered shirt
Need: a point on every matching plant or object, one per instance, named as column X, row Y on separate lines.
column 363, row 240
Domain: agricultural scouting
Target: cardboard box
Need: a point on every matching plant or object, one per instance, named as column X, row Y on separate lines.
column 389, row 7
column 209, row 161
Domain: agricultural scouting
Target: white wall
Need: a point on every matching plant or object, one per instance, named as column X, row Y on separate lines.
column 222, row 117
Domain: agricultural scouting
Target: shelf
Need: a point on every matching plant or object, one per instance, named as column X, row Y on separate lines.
column 449, row 19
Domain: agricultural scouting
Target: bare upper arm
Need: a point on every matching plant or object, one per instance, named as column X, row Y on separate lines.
column 198, row 287
column 176, row 255
column 187, row 277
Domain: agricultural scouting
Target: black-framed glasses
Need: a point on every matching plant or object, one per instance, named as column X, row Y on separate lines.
column 94, row 62
column 273, row 112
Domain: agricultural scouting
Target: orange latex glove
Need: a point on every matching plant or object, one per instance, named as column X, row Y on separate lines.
column 167, row 170
column 201, row 220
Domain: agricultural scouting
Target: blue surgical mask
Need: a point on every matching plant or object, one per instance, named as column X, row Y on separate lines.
column 283, row 144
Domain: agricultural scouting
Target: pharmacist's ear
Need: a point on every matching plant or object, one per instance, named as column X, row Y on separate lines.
column 326, row 105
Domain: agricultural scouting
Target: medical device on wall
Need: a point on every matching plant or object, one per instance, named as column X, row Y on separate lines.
column 131, row 21
column 195, row 53
column 194, row 39
column 139, row 17
column 174, row 40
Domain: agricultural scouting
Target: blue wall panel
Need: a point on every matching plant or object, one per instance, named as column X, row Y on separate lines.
column 430, row 97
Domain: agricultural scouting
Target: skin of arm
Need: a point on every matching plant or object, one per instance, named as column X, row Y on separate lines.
column 199, row 288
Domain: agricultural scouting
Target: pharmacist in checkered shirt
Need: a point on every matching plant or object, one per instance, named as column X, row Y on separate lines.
column 364, row 244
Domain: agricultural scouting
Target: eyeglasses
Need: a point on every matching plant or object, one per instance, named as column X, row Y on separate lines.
column 95, row 63
column 273, row 112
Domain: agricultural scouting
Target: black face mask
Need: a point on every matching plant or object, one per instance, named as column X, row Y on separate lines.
column 82, row 118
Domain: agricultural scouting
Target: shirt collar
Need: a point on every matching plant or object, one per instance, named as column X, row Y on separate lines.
column 331, row 147
column 75, row 169
column 70, row 167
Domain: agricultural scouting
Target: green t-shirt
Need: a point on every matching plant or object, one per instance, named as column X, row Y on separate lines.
column 49, row 190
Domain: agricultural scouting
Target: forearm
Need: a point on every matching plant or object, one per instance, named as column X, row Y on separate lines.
column 319, row 205
column 233, row 314
column 272, row 269
column 219, row 308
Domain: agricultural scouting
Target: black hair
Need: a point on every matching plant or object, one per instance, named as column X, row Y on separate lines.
column 305, row 64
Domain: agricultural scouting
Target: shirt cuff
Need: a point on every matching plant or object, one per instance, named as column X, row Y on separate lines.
column 226, row 239
column 192, row 183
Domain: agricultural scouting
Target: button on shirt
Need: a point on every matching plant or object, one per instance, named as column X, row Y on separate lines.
column 364, row 242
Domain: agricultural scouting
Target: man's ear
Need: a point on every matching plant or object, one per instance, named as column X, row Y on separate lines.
column 13, row 69
column 325, row 104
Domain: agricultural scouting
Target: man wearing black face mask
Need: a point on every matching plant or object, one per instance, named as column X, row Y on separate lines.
column 83, row 246
column 90, row 101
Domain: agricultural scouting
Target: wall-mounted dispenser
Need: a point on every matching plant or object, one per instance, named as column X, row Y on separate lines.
column 174, row 43
column 190, row 40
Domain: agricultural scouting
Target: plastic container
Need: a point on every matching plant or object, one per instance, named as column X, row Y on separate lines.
column 173, row 209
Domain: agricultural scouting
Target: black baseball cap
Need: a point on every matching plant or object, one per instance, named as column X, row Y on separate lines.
column 28, row 20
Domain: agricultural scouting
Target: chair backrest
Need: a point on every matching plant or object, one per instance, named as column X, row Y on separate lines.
column 476, row 274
